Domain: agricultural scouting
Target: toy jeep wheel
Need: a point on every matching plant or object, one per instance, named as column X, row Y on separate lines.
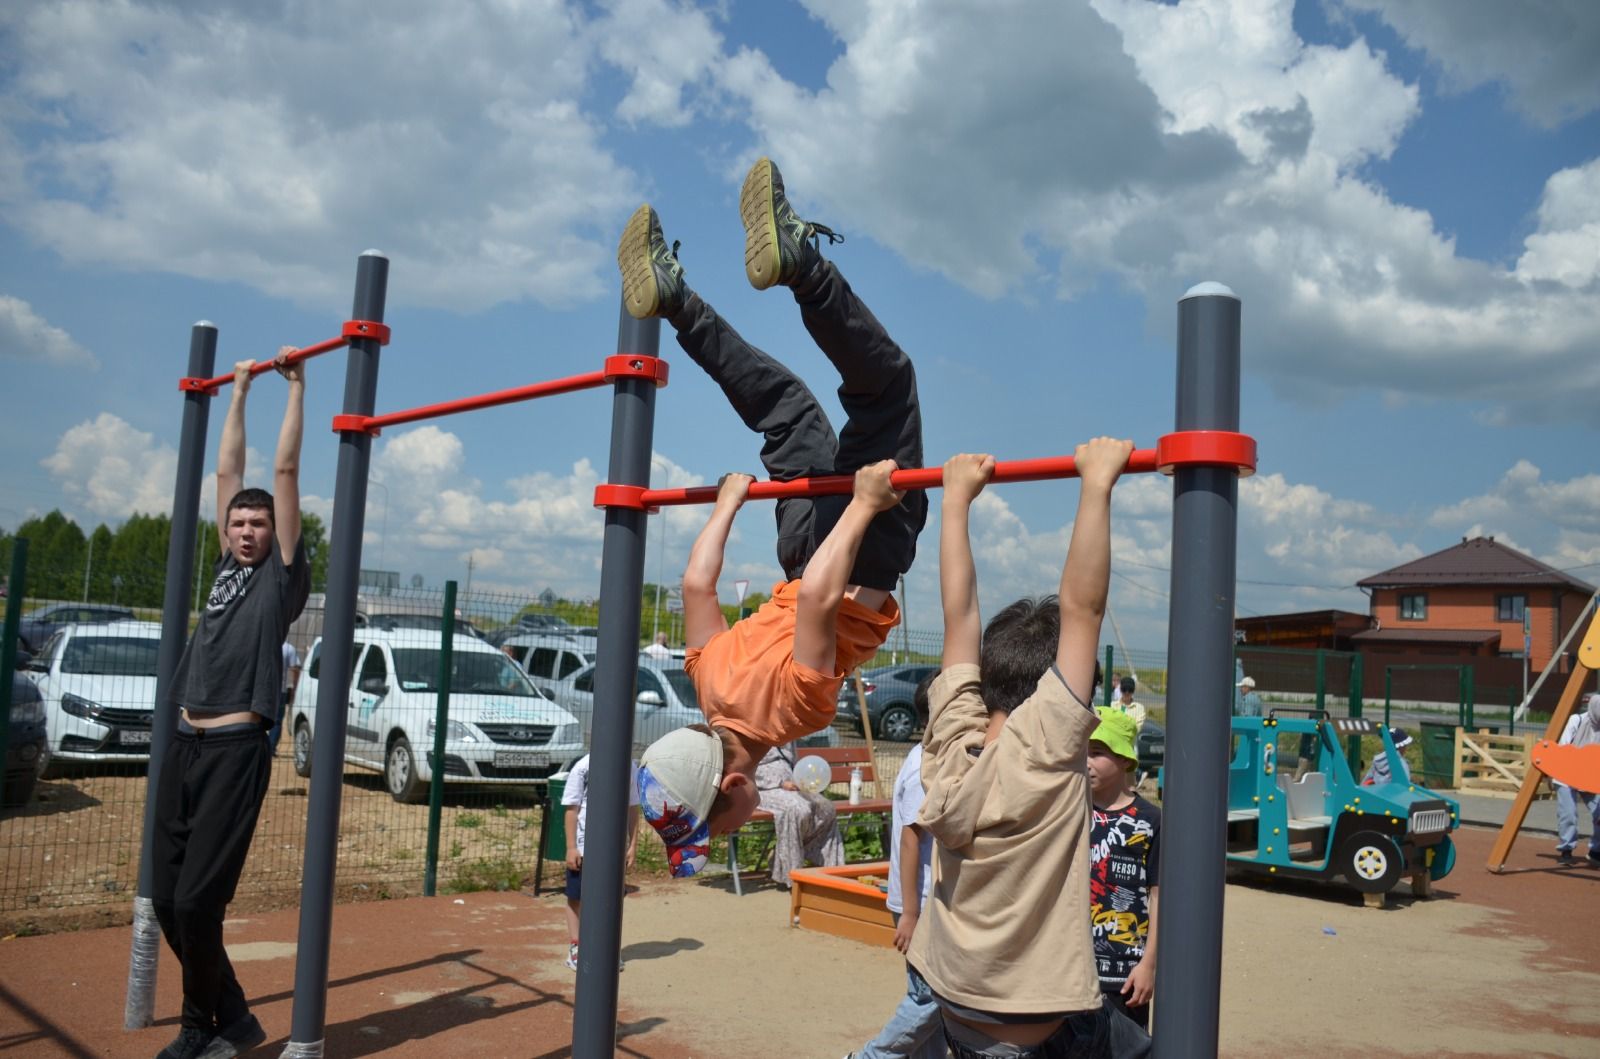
column 1371, row 862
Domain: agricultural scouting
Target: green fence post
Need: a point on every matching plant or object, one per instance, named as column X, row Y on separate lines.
column 441, row 721
column 1322, row 680
column 1388, row 693
column 1358, row 675
column 1467, row 696
column 15, row 590
column 1106, row 674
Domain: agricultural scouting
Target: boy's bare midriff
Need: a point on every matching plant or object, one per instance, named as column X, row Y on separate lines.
column 217, row 720
column 1022, row 1034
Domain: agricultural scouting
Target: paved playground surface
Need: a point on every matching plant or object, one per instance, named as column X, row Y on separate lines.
column 1494, row 965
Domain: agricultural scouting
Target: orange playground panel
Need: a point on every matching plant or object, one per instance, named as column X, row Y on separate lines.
column 843, row 901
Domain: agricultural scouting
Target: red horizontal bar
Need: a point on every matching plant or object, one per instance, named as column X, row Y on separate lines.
column 588, row 381
column 1142, row 461
column 261, row 367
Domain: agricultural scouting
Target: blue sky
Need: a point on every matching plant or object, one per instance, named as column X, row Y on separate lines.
column 1405, row 196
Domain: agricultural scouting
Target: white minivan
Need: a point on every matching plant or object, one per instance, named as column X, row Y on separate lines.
column 501, row 729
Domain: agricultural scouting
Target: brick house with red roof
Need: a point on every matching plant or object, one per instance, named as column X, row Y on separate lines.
column 1468, row 601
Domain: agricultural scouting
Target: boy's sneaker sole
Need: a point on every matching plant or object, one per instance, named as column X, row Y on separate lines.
column 642, row 290
column 763, row 258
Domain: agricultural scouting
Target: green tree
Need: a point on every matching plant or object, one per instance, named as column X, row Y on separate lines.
column 316, row 541
column 57, row 549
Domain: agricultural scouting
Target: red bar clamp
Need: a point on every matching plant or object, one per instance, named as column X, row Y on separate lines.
column 197, row 386
column 624, row 496
column 636, row 366
column 353, row 424
column 1206, row 448
column 366, row 329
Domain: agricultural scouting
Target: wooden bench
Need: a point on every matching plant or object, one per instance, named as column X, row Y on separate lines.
column 869, row 812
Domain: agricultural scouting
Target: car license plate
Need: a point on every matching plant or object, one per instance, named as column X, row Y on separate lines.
column 133, row 738
column 1158, row 748
column 514, row 759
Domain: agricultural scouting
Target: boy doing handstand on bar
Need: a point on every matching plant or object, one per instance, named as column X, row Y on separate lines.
column 1004, row 941
column 775, row 675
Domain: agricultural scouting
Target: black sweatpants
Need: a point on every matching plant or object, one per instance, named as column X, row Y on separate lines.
column 209, row 797
column 878, row 389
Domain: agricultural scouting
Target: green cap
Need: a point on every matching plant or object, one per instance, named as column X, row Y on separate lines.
column 1116, row 733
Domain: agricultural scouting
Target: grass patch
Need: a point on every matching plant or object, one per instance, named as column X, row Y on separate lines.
column 469, row 820
column 488, row 873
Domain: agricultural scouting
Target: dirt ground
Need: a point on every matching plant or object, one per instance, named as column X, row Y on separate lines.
column 1493, row 966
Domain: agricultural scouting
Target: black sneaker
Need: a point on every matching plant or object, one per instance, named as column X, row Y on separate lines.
column 236, row 1039
column 1594, row 858
column 779, row 247
column 1564, row 856
column 652, row 279
column 190, row 1043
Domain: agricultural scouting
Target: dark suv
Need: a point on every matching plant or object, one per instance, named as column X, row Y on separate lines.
column 26, row 745
column 890, row 692
column 34, row 629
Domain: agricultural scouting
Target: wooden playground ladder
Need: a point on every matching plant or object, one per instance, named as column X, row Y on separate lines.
column 1578, row 767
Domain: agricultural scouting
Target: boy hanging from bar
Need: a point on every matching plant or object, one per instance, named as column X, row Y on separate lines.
column 775, row 676
column 229, row 684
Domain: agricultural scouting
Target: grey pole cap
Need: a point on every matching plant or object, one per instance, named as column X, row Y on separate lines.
column 1209, row 287
column 369, row 252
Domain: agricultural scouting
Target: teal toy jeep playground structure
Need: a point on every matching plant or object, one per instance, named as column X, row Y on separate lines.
column 1296, row 808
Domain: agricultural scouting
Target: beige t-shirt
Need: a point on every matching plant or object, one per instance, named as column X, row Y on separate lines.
column 1006, row 928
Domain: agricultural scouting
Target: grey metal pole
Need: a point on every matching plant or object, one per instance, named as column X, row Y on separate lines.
column 441, row 722
column 633, row 410
column 337, row 661
column 1199, row 674
column 139, row 1007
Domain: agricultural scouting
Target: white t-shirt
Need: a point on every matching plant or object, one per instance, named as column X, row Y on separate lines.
column 291, row 661
column 657, row 650
column 577, row 792
column 908, row 795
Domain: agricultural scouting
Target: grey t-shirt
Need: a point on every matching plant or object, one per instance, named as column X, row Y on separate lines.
column 234, row 660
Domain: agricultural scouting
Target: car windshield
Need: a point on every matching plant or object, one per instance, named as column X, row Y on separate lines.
column 682, row 685
column 110, row 656
column 471, row 672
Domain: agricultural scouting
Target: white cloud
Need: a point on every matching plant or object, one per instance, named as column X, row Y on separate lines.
column 242, row 144
column 26, row 335
column 1566, row 248
column 1543, row 52
column 679, row 50
column 1169, row 143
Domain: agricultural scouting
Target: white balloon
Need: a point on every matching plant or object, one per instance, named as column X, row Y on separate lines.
column 812, row 773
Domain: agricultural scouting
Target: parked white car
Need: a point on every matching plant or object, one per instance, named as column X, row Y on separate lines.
column 501, row 729
column 548, row 660
column 664, row 701
column 98, row 683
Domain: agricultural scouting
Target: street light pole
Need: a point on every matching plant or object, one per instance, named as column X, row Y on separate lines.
column 383, row 532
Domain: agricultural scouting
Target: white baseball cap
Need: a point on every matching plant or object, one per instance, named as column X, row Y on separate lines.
column 678, row 778
column 1248, row 682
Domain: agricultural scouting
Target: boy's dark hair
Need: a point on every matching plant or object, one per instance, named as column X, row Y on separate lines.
column 919, row 698
column 1019, row 645
column 254, row 500
column 1127, row 685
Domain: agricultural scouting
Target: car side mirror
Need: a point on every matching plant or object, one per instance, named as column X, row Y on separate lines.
column 374, row 686
column 649, row 698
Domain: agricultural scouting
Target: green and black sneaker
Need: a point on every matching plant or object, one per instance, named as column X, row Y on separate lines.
column 652, row 279
column 779, row 247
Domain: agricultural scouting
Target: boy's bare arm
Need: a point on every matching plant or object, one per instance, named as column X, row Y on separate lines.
column 828, row 572
column 230, row 454
column 965, row 476
column 702, row 616
column 286, row 467
column 1087, row 573
column 910, row 887
column 574, row 858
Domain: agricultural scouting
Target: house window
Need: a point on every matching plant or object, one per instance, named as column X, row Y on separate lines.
column 1511, row 608
column 1414, row 607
